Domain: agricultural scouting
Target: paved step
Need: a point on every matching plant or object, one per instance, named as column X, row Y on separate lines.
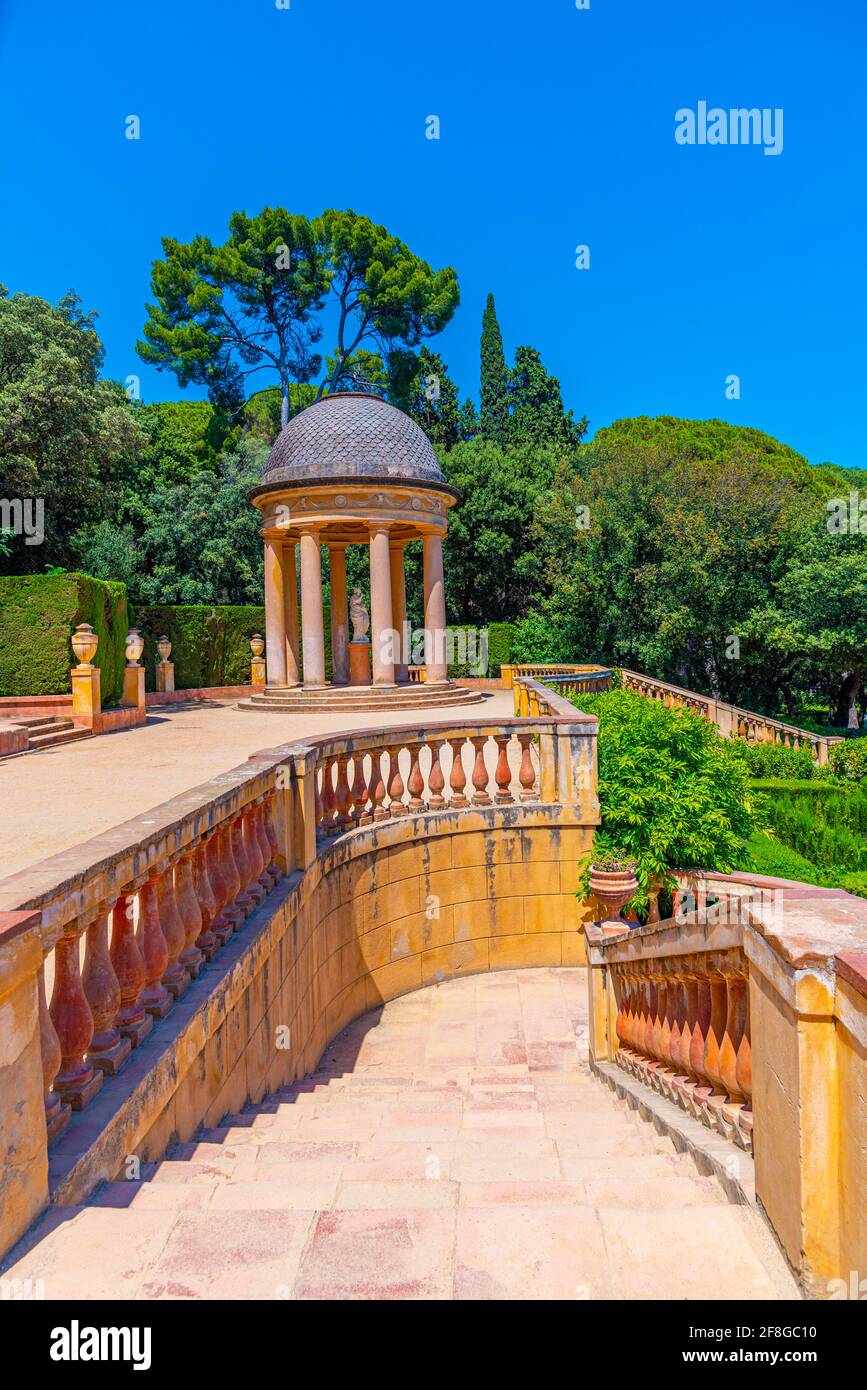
column 392, row 1173
column 57, row 736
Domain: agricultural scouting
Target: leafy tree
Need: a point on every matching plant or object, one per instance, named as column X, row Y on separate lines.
column 225, row 312
column 492, row 568
column 432, row 401
column 495, row 377
column 182, row 438
column 388, row 299
column 670, row 794
column 65, row 435
column 191, row 542
column 536, row 408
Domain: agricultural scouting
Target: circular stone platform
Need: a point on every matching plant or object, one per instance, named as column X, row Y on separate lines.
column 361, row 697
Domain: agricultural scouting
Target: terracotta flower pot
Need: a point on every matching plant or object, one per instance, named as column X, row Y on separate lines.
column 613, row 889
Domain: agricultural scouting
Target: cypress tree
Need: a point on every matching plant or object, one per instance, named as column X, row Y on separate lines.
column 495, row 376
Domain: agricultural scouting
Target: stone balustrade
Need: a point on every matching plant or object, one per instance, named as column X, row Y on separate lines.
column 731, row 720
column 748, row 1011
column 443, row 849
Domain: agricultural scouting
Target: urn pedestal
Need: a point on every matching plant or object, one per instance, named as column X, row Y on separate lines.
column 359, row 663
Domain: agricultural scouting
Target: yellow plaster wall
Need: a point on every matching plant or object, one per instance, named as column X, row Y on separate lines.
column 367, row 922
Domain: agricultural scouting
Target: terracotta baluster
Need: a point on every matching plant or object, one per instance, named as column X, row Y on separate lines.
column 132, row 1021
column 76, row 1082
column 377, row 787
column 108, row 1049
column 744, row 1071
column 676, row 1021
column 318, row 785
column 243, row 898
column 175, row 977
column 715, row 1097
column 395, row 784
column 266, row 877
column 206, row 940
column 191, row 957
column 481, row 796
column 342, row 794
column 255, row 864
column 502, row 772
column 658, row 1034
column 415, row 784
column 222, row 924
column 436, row 781
column 329, row 800
column 734, row 1030
column 527, row 773
column 274, row 869
column 234, row 909
column 621, row 993
column 154, row 997
column 57, row 1112
column 457, row 778
column 360, row 796
column 650, row 1021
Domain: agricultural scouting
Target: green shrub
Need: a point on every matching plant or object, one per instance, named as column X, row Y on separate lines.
column 38, row 614
column 670, row 794
column 826, row 824
column 849, row 759
column 773, row 759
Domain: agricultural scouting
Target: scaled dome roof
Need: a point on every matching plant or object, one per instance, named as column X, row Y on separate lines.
column 349, row 435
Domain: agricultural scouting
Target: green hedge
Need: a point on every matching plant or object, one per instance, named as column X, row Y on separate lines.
column 210, row 643
column 38, row 614
column 499, row 649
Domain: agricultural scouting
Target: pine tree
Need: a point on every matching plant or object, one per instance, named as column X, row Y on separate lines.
column 495, row 376
column 538, row 416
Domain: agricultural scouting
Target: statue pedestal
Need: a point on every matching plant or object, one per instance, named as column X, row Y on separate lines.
column 165, row 677
column 359, row 663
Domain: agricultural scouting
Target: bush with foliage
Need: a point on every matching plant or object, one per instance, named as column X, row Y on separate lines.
column 773, row 759
column 849, row 759
column 39, row 613
column 670, row 795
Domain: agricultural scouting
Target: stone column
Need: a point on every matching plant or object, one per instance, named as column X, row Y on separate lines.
column 380, row 607
column 290, row 611
column 436, row 668
column 312, row 630
column 275, row 631
column 339, row 616
column 398, row 607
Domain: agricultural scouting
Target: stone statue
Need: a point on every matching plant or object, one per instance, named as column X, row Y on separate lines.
column 360, row 616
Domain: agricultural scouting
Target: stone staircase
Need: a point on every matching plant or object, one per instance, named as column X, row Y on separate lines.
column 47, row 731
column 452, row 1145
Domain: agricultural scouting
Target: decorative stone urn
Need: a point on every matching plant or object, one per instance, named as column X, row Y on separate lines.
column 613, row 889
column 165, row 672
column 84, row 643
column 134, row 646
column 257, row 665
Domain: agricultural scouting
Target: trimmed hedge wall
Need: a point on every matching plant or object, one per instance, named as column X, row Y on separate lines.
column 38, row 614
column 499, row 649
column 210, row 643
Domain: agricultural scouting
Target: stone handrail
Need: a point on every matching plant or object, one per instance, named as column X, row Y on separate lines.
column 748, row 1011
column 731, row 720
column 122, row 925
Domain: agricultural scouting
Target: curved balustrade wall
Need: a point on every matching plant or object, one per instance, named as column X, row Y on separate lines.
column 205, row 953
column 748, row 1010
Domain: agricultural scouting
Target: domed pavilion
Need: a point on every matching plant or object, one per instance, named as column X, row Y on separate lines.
column 352, row 470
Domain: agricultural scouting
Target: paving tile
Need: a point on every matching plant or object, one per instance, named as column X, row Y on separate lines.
column 390, row 1254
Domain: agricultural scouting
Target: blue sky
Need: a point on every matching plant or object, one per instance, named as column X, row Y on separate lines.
column 557, row 130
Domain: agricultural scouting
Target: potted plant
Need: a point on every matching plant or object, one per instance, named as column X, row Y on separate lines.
column 612, row 881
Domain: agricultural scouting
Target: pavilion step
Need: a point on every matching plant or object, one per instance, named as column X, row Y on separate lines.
column 363, row 698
